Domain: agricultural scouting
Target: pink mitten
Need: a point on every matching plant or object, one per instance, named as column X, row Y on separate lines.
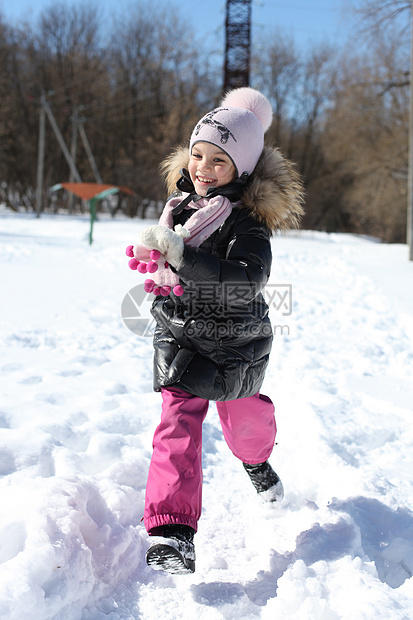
column 139, row 261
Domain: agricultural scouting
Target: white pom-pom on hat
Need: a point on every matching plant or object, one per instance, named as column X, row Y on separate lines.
column 251, row 100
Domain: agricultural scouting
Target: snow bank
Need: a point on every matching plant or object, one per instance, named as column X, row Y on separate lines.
column 77, row 414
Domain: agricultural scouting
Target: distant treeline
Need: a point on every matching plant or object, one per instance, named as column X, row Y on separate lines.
column 139, row 84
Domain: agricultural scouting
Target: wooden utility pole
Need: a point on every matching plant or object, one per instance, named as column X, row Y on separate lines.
column 46, row 111
column 62, row 143
column 40, row 157
column 69, row 156
column 89, row 151
column 73, row 152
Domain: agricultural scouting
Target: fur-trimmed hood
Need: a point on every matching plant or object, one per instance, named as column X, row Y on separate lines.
column 274, row 192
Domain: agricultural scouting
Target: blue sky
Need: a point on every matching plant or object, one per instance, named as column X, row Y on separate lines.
column 307, row 21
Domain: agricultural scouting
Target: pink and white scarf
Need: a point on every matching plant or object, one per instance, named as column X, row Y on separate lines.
column 210, row 214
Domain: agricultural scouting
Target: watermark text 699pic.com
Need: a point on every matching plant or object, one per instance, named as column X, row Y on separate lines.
column 210, row 315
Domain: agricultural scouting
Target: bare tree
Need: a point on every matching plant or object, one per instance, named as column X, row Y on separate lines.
column 16, row 112
column 138, row 85
column 378, row 14
column 157, row 90
column 365, row 135
column 68, row 65
column 342, row 118
column 301, row 88
column 382, row 16
column 277, row 69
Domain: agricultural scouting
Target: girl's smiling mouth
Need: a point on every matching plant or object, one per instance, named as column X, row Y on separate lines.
column 205, row 180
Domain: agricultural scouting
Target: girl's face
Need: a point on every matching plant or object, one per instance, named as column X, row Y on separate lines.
column 209, row 166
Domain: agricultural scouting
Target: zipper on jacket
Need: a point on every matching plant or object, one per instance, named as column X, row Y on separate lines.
column 229, row 248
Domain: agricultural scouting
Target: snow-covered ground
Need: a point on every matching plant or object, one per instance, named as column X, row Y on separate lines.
column 77, row 414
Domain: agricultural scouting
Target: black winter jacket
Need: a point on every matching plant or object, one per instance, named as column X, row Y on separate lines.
column 214, row 341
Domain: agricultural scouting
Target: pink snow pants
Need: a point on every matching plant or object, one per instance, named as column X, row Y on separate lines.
column 174, row 487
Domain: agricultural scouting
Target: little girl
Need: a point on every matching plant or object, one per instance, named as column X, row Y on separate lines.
column 213, row 335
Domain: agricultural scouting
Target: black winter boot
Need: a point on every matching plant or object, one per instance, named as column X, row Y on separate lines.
column 265, row 481
column 172, row 549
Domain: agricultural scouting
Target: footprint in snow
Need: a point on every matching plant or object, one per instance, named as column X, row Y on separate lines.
column 31, row 380
column 70, row 373
column 13, row 367
column 117, row 388
column 4, row 423
column 91, row 361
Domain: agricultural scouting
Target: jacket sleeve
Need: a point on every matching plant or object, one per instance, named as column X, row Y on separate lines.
column 243, row 273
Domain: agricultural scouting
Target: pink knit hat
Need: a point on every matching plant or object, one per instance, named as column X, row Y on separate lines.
column 237, row 127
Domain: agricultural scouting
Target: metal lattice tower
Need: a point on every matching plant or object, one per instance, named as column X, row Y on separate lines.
column 238, row 44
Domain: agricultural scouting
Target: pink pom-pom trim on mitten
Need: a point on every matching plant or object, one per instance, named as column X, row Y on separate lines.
column 178, row 290
column 155, row 254
column 152, row 266
column 148, row 286
column 133, row 263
